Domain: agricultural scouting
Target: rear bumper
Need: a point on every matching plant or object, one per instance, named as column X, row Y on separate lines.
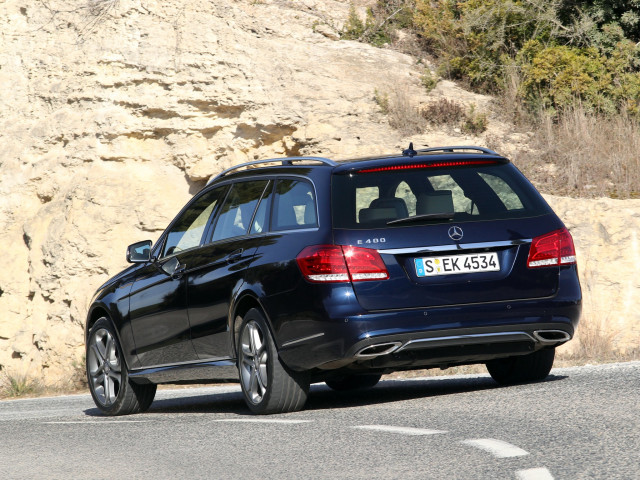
column 436, row 336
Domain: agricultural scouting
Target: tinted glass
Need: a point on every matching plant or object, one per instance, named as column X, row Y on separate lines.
column 370, row 200
column 188, row 230
column 294, row 205
column 261, row 219
column 238, row 209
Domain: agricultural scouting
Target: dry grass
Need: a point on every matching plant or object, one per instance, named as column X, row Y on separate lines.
column 25, row 385
column 443, row 112
column 400, row 110
column 585, row 155
column 14, row 385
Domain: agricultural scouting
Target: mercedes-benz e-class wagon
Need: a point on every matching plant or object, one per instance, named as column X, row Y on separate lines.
column 282, row 273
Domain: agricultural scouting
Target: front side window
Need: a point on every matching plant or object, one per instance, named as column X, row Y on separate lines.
column 294, row 205
column 188, row 231
column 238, row 209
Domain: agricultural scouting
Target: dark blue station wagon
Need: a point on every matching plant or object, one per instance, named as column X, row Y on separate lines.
column 286, row 272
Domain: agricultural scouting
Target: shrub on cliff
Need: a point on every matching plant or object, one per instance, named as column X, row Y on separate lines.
column 563, row 50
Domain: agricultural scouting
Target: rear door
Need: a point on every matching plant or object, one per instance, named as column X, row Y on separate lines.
column 217, row 269
column 448, row 235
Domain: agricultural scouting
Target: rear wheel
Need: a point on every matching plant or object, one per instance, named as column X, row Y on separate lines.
column 353, row 382
column 522, row 369
column 111, row 389
column 268, row 386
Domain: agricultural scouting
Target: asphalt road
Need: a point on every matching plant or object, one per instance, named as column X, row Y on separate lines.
column 580, row 423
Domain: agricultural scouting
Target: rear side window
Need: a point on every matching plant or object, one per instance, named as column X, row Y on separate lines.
column 467, row 193
column 294, row 205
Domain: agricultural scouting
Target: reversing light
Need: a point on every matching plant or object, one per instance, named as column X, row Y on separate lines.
column 414, row 166
column 333, row 263
column 551, row 249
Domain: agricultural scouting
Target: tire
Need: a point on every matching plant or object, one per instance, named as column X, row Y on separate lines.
column 107, row 375
column 522, row 369
column 353, row 382
column 267, row 385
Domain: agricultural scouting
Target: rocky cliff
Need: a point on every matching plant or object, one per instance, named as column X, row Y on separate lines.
column 114, row 112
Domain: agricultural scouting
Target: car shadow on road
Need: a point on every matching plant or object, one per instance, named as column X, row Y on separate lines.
column 389, row 391
column 322, row 397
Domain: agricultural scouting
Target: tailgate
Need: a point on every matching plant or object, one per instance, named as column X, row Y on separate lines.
column 487, row 265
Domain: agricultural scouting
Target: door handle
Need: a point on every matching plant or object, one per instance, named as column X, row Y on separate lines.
column 234, row 256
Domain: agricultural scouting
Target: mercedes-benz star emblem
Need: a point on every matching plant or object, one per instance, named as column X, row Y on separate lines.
column 455, row 233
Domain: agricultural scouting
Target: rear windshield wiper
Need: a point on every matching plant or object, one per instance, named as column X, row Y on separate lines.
column 426, row 217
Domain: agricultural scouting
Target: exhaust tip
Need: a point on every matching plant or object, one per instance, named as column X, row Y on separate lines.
column 551, row 336
column 378, row 349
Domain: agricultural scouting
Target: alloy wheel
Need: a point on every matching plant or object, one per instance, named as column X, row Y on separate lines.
column 105, row 367
column 254, row 358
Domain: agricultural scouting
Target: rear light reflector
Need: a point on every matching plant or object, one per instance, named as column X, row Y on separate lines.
column 554, row 248
column 333, row 263
column 413, row 166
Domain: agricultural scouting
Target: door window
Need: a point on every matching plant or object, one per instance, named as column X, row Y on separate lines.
column 238, row 209
column 188, row 231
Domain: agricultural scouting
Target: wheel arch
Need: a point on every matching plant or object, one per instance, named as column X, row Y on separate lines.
column 99, row 311
column 241, row 306
column 96, row 314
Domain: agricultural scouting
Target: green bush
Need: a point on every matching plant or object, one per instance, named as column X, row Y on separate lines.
column 558, row 76
column 566, row 51
column 381, row 20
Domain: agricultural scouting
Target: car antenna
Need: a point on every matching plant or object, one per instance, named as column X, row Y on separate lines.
column 409, row 152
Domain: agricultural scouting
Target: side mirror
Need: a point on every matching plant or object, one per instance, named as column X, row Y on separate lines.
column 139, row 252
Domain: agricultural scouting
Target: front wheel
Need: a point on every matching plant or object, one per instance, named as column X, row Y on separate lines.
column 111, row 389
column 522, row 369
column 267, row 385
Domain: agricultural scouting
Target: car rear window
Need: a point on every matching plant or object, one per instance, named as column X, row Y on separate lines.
column 371, row 199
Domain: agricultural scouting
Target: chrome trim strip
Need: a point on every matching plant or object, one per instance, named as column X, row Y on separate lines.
column 476, row 338
column 453, row 246
column 211, row 362
column 310, row 337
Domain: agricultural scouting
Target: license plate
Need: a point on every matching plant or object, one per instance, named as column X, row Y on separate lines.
column 456, row 264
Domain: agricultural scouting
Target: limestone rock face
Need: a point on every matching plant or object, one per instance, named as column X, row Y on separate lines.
column 606, row 233
column 114, row 113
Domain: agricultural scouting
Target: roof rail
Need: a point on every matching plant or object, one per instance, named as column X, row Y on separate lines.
column 453, row 149
column 283, row 161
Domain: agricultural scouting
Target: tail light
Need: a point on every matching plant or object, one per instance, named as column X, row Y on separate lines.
column 333, row 263
column 554, row 248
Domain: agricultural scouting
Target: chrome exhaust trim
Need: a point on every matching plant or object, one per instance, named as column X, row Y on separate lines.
column 471, row 339
column 552, row 336
column 378, row 349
